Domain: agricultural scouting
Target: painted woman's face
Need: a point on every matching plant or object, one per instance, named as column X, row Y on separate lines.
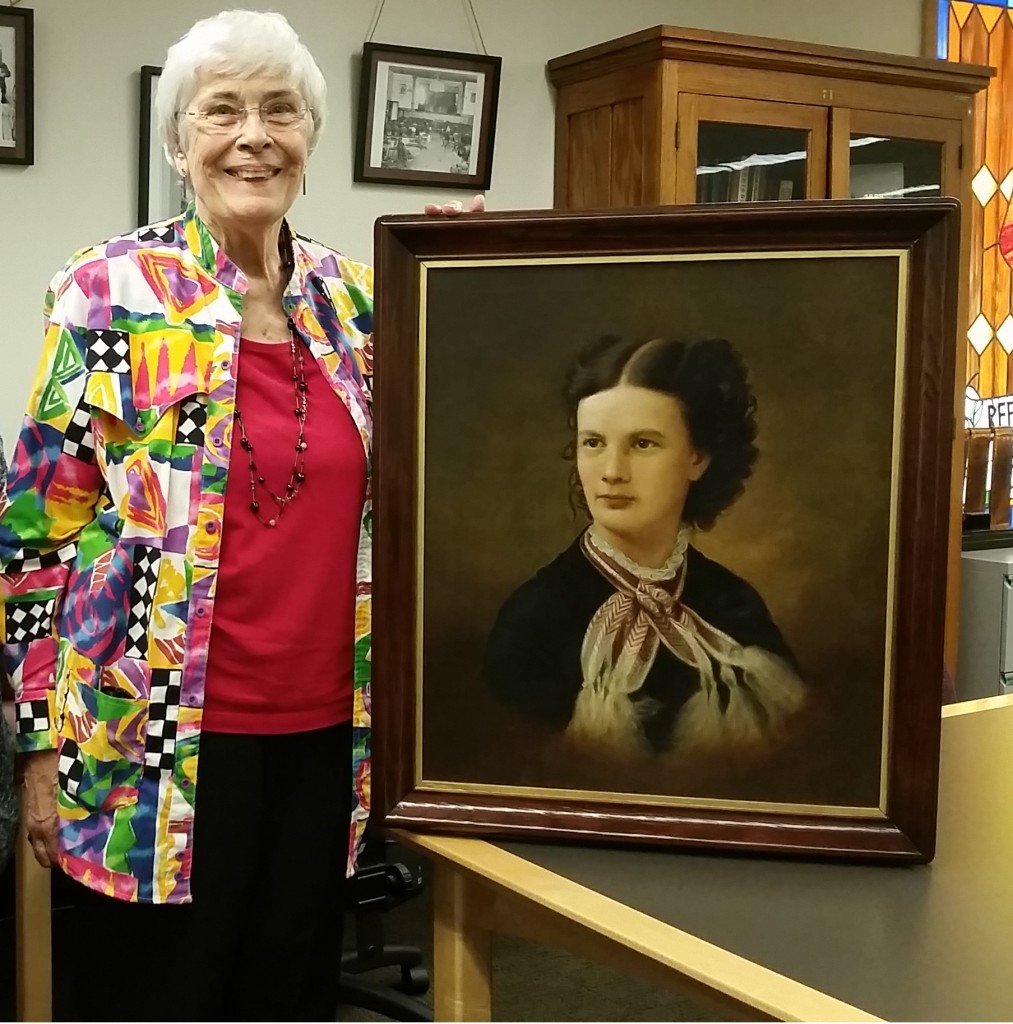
column 636, row 461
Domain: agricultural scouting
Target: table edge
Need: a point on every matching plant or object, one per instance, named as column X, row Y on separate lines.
column 968, row 707
column 716, row 968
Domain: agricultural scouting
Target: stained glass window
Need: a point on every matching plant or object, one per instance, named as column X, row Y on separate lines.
column 982, row 33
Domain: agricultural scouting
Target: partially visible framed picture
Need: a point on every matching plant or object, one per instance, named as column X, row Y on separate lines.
column 17, row 96
column 661, row 516
column 159, row 188
column 426, row 117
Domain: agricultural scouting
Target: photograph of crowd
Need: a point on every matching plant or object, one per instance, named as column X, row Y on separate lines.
column 17, row 127
column 427, row 117
column 8, row 87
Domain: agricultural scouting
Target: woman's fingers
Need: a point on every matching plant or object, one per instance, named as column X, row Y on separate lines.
column 452, row 209
column 43, row 850
column 42, row 837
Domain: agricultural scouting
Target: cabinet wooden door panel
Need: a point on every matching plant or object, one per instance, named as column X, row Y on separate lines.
column 628, row 153
column 606, row 164
column 590, row 166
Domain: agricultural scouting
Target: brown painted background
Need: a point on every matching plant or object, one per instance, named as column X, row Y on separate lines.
column 810, row 532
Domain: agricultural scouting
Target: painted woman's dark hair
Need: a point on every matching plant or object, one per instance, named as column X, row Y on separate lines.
column 711, row 382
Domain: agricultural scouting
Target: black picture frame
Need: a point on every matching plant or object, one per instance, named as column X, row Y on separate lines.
column 17, row 86
column 159, row 190
column 456, row 536
column 385, row 152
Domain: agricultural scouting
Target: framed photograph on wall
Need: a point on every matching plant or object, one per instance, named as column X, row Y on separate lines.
column 661, row 516
column 426, row 117
column 159, row 188
column 17, row 80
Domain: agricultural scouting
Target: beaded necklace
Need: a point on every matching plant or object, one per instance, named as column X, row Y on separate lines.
column 297, row 476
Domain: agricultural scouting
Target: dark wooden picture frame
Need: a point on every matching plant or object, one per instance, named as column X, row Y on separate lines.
column 17, row 86
column 392, row 135
column 159, row 190
column 923, row 237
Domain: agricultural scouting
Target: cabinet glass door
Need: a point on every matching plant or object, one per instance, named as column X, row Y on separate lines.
column 882, row 167
column 737, row 150
column 879, row 155
column 739, row 163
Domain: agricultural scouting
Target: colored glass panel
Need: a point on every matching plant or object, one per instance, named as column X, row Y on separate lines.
column 982, row 33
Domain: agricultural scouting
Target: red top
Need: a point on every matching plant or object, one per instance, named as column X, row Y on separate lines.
column 281, row 652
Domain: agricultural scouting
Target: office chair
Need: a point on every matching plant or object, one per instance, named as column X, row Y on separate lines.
column 377, row 887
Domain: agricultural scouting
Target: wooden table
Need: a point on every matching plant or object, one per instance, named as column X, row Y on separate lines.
column 766, row 937
column 778, row 938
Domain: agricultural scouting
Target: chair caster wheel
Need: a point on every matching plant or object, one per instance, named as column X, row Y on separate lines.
column 414, row 981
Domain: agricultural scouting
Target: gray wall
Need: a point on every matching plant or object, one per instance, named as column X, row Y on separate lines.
column 87, row 52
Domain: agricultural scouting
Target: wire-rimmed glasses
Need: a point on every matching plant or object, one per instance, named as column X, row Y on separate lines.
column 276, row 115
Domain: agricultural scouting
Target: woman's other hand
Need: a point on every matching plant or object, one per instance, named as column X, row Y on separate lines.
column 40, row 804
column 477, row 205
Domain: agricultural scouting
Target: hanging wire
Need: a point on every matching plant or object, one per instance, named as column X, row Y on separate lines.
column 469, row 8
column 377, row 12
column 469, row 13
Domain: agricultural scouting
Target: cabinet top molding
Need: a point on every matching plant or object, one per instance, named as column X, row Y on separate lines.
column 667, row 42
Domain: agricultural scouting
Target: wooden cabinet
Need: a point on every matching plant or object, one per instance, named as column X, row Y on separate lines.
column 672, row 115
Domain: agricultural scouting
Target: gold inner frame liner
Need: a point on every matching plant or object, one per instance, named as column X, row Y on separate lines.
column 654, row 799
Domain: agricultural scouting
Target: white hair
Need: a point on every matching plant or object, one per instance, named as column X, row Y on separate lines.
column 241, row 44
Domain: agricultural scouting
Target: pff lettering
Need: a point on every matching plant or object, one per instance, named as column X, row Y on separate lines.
column 1000, row 414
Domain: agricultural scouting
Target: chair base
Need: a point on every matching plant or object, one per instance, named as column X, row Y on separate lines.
column 382, row 999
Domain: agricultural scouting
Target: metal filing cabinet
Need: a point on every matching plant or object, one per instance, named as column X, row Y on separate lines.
column 985, row 659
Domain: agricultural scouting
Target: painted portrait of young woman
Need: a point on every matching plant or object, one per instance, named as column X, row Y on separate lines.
column 655, row 529
column 631, row 643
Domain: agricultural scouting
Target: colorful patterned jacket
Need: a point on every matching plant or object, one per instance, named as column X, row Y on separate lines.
column 110, row 544
column 8, row 797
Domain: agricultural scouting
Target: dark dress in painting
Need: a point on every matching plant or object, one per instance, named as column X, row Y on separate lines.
column 723, row 674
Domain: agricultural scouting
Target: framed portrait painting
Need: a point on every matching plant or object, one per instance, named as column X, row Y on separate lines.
column 159, row 188
column 17, row 79
column 426, row 117
column 661, row 516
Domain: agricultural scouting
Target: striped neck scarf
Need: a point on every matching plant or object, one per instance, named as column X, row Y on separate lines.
column 743, row 693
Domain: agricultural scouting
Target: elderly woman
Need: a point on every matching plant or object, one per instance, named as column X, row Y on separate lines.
column 8, row 800
column 632, row 643
column 187, row 558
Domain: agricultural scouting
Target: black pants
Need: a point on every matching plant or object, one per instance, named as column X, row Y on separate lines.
column 262, row 938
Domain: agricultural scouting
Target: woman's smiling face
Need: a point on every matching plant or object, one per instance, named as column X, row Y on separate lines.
column 636, row 462
column 250, row 172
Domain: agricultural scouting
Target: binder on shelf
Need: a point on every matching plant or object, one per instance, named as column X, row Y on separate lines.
column 1002, row 466
column 756, row 189
column 978, row 444
column 742, row 185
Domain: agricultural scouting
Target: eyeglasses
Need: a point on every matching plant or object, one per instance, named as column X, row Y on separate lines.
column 278, row 115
